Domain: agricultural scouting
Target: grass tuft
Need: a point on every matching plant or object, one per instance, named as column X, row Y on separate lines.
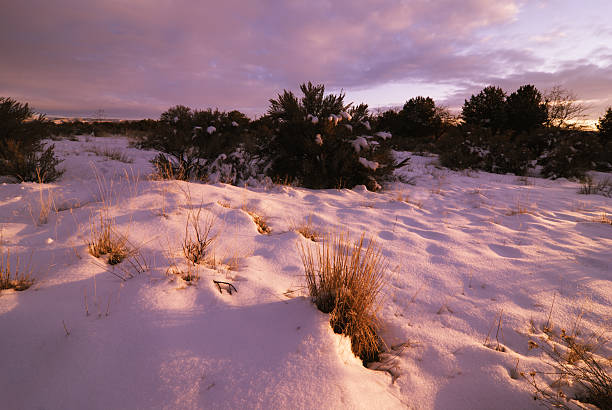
column 104, row 240
column 580, row 374
column 260, row 221
column 198, row 237
column 307, row 230
column 110, row 153
column 13, row 277
column 345, row 280
column 590, row 187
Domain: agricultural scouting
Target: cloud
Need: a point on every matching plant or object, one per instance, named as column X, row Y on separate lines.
column 137, row 58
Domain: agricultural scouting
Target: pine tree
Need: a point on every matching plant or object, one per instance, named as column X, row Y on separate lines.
column 321, row 142
column 525, row 109
column 486, row 109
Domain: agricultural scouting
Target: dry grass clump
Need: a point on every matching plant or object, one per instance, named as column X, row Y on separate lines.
column 519, row 209
column 260, row 221
column 345, row 280
column 114, row 154
column 189, row 273
column 307, row 230
column 104, row 240
column 603, row 187
column 225, row 204
column 581, row 375
column 406, row 198
column 603, row 218
column 198, row 236
column 13, row 277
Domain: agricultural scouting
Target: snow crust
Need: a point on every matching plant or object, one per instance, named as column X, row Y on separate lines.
column 458, row 252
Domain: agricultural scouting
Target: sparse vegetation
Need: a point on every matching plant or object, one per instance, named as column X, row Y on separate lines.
column 307, row 229
column 601, row 187
column 104, row 240
column 581, row 375
column 111, row 153
column 13, row 276
column 345, row 279
column 198, row 238
column 260, row 221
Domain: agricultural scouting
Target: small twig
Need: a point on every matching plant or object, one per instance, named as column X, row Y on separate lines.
column 86, row 307
column 229, row 286
column 108, row 305
column 65, row 328
column 547, row 328
column 499, row 328
column 416, row 293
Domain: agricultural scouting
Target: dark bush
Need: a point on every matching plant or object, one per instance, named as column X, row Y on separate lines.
column 572, row 153
column 480, row 148
column 319, row 142
column 22, row 152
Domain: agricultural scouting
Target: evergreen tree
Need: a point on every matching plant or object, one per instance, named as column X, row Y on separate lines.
column 525, row 109
column 604, row 126
column 419, row 118
column 486, row 109
column 321, row 142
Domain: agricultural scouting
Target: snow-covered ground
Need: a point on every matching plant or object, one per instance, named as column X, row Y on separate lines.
column 462, row 248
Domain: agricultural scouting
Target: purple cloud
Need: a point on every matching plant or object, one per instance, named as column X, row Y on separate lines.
column 137, row 58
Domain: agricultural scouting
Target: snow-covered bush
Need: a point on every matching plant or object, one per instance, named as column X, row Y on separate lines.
column 190, row 138
column 22, row 152
column 236, row 168
column 318, row 141
column 571, row 154
column 480, row 148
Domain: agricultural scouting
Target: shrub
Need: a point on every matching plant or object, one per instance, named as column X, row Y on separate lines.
column 602, row 187
column 198, row 237
column 345, row 280
column 481, row 148
column 22, row 153
column 588, row 378
column 319, row 142
column 571, row 154
column 189, row 138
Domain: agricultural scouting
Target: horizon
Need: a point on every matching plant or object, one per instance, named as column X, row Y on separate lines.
column 137, row 60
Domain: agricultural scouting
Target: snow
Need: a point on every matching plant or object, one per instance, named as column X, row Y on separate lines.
column 359, row 143
column 346, row 115
column 211, row 129
column 384, row 135
column 373, row 165
column 312, row 118
column 461, row 247
column 334, row 118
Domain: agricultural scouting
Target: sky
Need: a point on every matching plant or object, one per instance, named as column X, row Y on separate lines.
column 135, row 59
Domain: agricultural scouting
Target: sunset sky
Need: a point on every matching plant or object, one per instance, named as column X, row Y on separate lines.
column 134, row 59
